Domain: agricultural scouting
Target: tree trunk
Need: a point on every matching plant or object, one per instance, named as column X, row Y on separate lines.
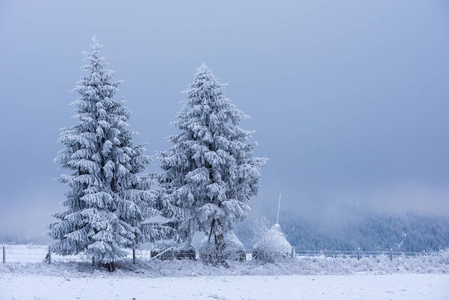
column 219, row 248
column 211, row 229
column 110, row 266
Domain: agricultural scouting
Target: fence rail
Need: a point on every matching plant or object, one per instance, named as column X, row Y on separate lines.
column 40, row 253
column 361, row 253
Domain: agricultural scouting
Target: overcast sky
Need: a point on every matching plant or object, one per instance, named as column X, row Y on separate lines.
column 349, row 99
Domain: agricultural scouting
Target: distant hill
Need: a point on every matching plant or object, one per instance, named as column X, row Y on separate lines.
column 406, row 233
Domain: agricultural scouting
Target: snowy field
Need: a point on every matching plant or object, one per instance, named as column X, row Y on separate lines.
column 407, row 287
column 25, row 275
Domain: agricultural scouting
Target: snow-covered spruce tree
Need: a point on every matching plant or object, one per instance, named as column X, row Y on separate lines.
column 108, row 200
column 209, row 173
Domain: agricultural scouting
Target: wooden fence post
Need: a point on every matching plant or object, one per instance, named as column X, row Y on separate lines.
column 325, row 253
column 293, row 252
column 4, row 255
column 49, row 254
column 358, row 254
column 391, row 253
column 134, row 255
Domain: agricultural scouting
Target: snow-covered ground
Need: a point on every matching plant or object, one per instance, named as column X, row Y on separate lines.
column 405, row 286
column 25, row 275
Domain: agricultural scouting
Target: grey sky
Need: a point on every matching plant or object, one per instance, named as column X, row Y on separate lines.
column 349, row 98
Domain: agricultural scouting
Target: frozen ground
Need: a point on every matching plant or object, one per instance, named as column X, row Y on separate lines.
column 26, row 276
column 405, row 286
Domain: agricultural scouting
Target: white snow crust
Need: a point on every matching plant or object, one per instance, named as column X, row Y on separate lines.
column 335, row 287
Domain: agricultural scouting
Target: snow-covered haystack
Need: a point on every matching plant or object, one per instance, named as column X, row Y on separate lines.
column 273, row 246
column 233, row 248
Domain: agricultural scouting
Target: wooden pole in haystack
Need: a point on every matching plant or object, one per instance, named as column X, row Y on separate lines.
column 279, row 208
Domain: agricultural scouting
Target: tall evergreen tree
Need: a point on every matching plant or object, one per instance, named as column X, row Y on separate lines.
column 209, row 172
column 108, row 200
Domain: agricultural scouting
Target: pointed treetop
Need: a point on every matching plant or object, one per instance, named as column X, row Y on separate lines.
column 96, row 43
column 205, row 71
column 203, row 67
column 204, row 74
